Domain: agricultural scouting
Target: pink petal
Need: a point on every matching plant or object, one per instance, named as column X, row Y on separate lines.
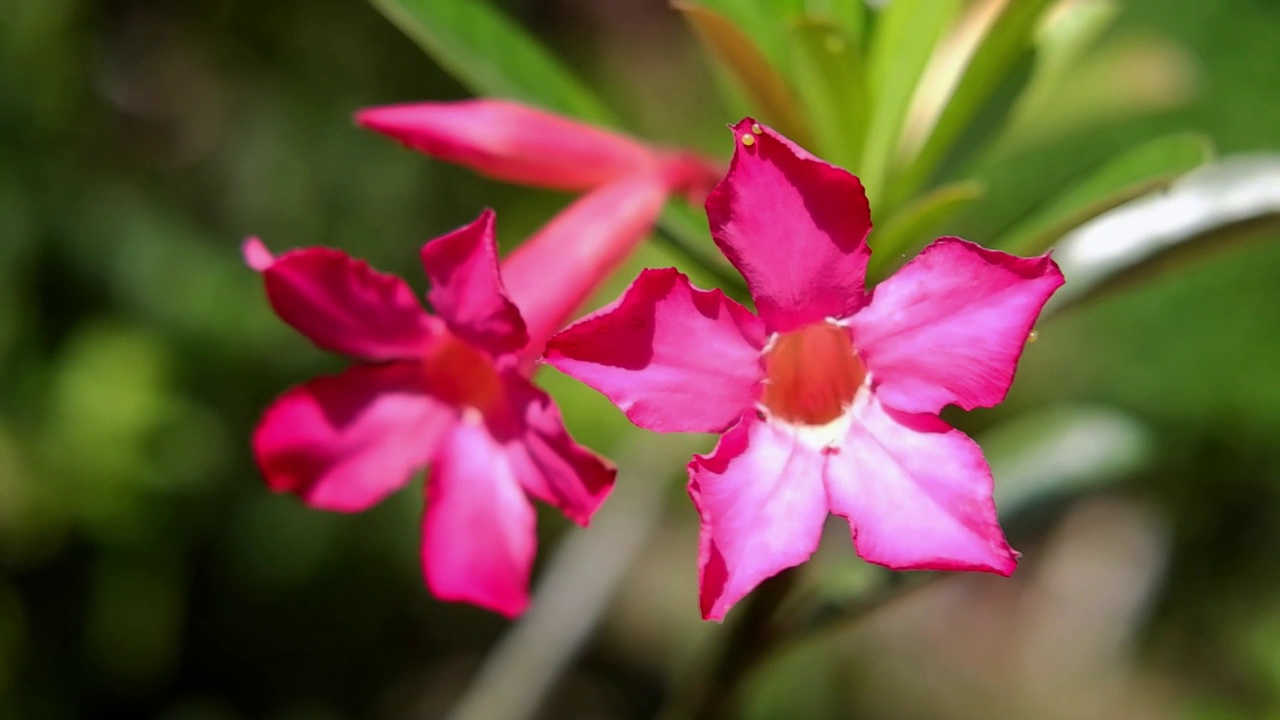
column 950, row 326
column 256, row 255
column 547, row 462
column 343, row 305
column 917, row 494
column 478, row 538
column 762, row 505
column 670, row 356
column 794, row 226
column 512, row 142
column 346, row 442
column 467, row 291
column 552, row 274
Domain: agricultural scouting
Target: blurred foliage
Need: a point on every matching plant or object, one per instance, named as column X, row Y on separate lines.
column 147, row 573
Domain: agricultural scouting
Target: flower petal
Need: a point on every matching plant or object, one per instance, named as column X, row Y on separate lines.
column 794, row 226
column 917, row 493
column 512, row 142
column 467, row 291
column 343, row 305
column 554, row 272
column 478, row 537
column 762, row 504
column 346, row 442
column 670, row 356
column 950, row 326
column 547, row 462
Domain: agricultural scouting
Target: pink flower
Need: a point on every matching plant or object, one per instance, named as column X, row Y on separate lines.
column 526, row 146
column 828, row 399
column 450, row 390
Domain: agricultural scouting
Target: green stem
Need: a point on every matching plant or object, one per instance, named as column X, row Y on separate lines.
column 725, row 277
column 709, row 695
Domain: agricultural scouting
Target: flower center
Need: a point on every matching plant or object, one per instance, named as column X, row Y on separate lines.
column 462, row 375
column 811, row 374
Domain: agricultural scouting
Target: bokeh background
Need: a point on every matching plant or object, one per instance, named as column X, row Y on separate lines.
column 146, row 572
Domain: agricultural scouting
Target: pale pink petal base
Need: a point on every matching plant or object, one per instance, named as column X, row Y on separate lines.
column 762, row 505
column 917, row 493
column 346, row 442
column 670, row 356
column 478, row 537
column 950, row 326
column 794, row 226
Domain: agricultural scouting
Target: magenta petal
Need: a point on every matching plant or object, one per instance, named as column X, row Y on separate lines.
column 478, row 538
column 762, row 504
column 794, row 226
column 950, row 326
column 341, row 304
column 467, row 291
column 547, row 462
column 672, row 357
column 512, row 142
column 917, row 493
column 346, row 442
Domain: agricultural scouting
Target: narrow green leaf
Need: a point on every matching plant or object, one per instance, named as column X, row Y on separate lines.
column 909, row 228
column 906, row 33
column 491, row 55
column 1008, row 42
column 1141, row 170
column 829, row 79
column 850, row 16
column 1212, row 207
column 759, row 80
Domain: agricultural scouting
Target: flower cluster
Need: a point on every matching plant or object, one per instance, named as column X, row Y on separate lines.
column 827, row 397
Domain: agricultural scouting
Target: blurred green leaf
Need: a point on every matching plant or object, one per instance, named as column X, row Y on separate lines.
column 850, row 16
column 1008, row 42
column 492, row 55
column 1074, row 29
column 907, row 31
column 908, row 228
column 751, row 70
column 1232, row 199
column 1145, row 168
column 830, row 80
column 1061, row 450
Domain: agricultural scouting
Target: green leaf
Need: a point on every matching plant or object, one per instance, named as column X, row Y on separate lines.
column 1061, row 450
column 829, row 79
column 1008, row 42
column 1210, row 208
column 1145, row 168
column 906, row 33
column 850, row 16
column 758, row 79
column 908, row 229
column 493, row 56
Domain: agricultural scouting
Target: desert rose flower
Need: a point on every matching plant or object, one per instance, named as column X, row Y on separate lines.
column 450, row 390
column 519, row 144
column 828, row 398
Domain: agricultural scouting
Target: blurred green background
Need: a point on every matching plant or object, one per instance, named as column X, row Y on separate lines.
column 146, row 572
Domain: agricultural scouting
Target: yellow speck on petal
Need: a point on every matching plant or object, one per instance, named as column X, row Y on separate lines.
column 1032, row 337
column 748, row 140
column 755, row 128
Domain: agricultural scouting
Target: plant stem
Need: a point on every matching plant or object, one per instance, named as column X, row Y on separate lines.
column 709, row 695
